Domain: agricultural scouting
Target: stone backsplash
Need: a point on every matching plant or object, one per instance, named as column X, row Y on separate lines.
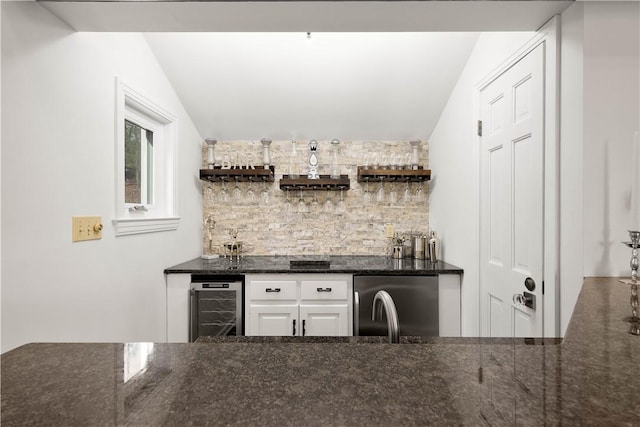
column 276, row 227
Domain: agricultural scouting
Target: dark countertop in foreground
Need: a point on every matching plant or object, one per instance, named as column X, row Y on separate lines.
column 350, row 264
column 592, row 378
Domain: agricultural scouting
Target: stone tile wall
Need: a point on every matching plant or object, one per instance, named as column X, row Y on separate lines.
column 278, row 228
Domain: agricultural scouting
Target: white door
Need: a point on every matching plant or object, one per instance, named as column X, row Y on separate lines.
column 273, row 320
column 324, row 320
column 511, row 198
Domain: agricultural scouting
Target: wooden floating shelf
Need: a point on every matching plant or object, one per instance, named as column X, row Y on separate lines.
column 393, row 175
column 325, row 182
column 241, row 175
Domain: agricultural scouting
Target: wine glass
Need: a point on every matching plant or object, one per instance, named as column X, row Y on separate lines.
column 419, row 192
column 367, row 194
column 288, row 204
column 209, row 195
column 314, row 201
column 393, row 194
column 328, row 203
column 224, row 194
column 251, row 195
column 237, row 193
column 302, row 208
column 406, row 194
column 340, row 206
column 264, row 194
column 380, row 193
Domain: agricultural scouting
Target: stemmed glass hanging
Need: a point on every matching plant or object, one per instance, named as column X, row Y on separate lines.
column 328, row 203
column 224, row 194
column 367, row 193
column 264, row 194
column 302, row 207
column 237, row 193
column 406, row 194
column 340, row 206
column 380, row 193
column 288, row 204
column 419, row 192
column 314, row 201
column 251, row 195
column 393, row 195
column 209, row 195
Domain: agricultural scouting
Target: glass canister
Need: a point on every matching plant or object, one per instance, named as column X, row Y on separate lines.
column 335, row 166
column 294, row 163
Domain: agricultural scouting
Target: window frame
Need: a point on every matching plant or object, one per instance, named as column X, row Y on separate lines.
column 162, row 213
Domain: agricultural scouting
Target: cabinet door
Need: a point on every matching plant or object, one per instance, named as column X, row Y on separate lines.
column 273, row 320
column 324, row 320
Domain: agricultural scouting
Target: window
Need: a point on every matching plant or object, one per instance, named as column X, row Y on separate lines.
column 138, row 164
column 146, row 152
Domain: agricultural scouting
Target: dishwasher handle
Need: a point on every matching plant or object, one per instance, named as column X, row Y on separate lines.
column 356, row 314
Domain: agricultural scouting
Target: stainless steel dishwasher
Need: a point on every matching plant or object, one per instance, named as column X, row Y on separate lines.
column 216, row 306
column 415, row 298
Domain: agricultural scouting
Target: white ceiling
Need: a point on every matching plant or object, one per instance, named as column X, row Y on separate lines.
column 378, row 70
column 309, row 15
column 352, row 86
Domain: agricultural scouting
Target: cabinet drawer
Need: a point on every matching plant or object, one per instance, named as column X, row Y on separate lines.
column 324, row 289
column 272, row 290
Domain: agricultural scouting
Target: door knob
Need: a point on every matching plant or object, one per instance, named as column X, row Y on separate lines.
column 530, row 284
column 526, row 299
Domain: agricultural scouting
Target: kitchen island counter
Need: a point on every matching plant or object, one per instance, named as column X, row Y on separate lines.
column 349, row 264
column 590, row 377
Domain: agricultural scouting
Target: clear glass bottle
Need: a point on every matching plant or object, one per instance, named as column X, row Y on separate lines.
column 294, row 163
column 335, row 166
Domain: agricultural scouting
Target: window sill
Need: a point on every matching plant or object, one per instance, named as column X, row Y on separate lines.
column 128, row 226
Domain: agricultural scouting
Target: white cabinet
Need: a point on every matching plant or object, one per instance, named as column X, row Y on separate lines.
column 178, row 286
column 299, row 304
column 449, row 305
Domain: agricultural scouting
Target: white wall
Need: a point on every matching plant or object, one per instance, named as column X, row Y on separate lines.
column 611, row 116
column 453, row 159
column 58, row 141
column 571, row 157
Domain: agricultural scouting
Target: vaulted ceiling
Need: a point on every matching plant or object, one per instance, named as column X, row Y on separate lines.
column 332, row 85
column 369, row 70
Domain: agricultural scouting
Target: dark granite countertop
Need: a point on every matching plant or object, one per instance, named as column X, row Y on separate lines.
column 353, row 264
column 592, row 377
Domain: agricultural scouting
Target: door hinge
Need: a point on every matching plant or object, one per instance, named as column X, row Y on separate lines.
column 479, row 127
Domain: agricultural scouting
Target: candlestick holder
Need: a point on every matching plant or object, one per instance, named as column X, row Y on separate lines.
column 634, row 319
column 211, row 156
column 266, row 156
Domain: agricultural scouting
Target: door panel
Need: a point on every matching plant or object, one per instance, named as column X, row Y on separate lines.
column 324, row 320
column 273, row 320
column 523, row 204
column 511, row 211
column 497, row 201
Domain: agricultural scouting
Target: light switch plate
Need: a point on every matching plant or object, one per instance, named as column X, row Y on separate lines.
column 86, row 228
column 389, row 231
